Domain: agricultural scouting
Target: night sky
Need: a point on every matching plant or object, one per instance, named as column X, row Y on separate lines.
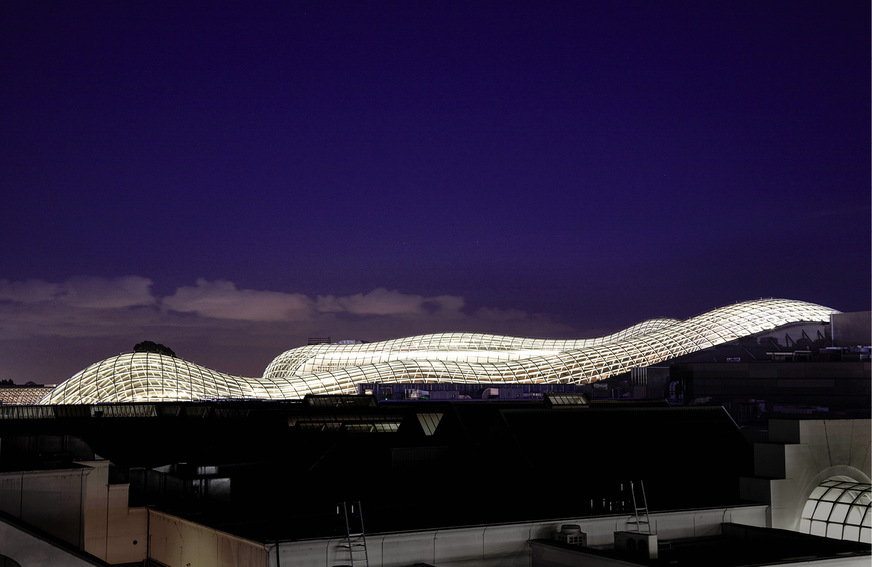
column 229, row 179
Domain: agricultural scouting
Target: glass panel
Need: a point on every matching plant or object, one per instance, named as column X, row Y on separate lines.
column 817, row 493
column 849, row 496
column 851, row 533
column 822, row 512
column 831, row 495
column 805, row 526
column 854, row 516
column 840, row 511
column 808, row 510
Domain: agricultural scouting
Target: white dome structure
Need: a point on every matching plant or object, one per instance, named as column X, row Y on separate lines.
column 458, row 358
column 463, row 347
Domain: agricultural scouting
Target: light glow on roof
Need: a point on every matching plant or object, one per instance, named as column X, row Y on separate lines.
column 448, row 357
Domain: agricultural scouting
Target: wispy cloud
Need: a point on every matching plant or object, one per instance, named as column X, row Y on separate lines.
column 223, row 300
column 386, row 302
column 50, row 330
column 86, row 292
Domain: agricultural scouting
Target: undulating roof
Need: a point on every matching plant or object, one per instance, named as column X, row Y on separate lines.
column 459, row 357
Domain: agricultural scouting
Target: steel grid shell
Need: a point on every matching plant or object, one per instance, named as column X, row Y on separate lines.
column 451, row 357
column 465, row 347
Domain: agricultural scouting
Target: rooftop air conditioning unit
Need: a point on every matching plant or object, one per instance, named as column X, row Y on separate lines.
column 572, row 534
column 637, row 544
column 417, row 395
column 490, row 393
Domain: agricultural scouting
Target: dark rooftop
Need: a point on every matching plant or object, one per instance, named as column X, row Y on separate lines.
column 736, row 546
column 275, row 470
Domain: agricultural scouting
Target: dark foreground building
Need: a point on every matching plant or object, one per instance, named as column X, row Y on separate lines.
column 749, row 451
column 277, row 470
column 273, row 483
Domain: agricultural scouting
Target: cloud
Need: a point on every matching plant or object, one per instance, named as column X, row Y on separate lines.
column 49, row 331
column 29, row 291
column 90, row 306
column 385, row 302
column 87, row 292
column 223, row 300
column 102, row 293
column 78, row 307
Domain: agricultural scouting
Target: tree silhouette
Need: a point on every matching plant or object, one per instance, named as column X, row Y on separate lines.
column 151, row 346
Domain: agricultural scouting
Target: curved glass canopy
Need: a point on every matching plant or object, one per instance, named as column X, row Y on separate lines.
column 458, row 357
column 840, row 510
column 465, row 347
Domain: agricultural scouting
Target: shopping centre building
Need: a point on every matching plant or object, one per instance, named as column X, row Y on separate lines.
column 441, row 358
column 461, row 450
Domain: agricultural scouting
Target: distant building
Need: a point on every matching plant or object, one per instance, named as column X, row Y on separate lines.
column 28, row 394
column 851, row 329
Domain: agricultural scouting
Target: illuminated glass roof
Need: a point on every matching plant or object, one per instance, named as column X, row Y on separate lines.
column 467, row 347
column 840, row 510
column 458, row 357
column 150, row 377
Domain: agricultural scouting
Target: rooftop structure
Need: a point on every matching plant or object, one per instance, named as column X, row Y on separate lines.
column 455, row 358
column 728, row 545
column 441, row 482
column 27, row 394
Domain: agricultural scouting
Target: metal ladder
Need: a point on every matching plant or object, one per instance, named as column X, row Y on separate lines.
column 643, row 525
column 355, row 542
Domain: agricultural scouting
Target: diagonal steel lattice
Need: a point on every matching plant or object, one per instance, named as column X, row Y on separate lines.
column 447, row 357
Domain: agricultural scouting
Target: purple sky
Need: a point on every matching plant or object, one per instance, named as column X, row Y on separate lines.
column 230, row 180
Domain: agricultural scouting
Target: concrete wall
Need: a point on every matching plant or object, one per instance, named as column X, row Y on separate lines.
column 112, row 531
column 52, row 501
column 127, row 533
column 799, row 455
column 96, row 502
column 29, row 549
column 80, row 507
column 176, row 542
column 503, row 545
